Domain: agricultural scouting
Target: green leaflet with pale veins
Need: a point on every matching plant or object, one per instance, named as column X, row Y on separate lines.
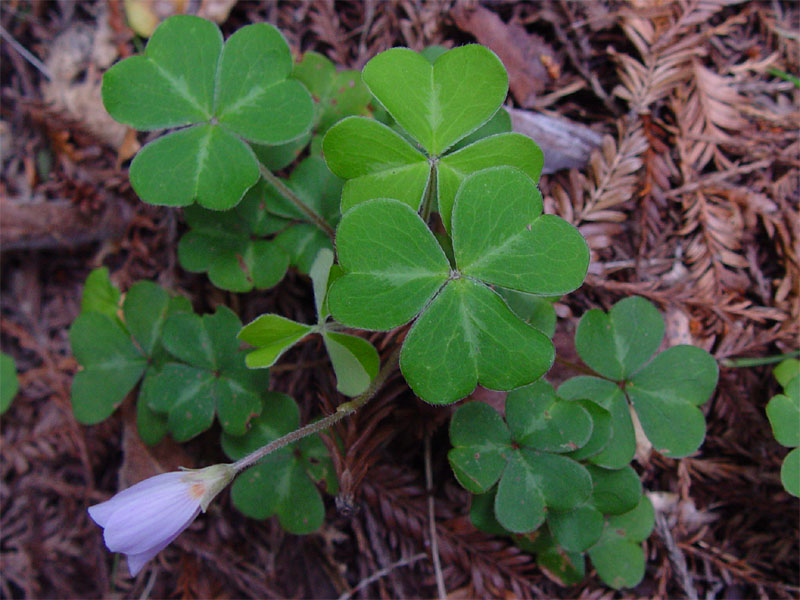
column 376, row 161
column 506, row 149
column 392, row 263
column 228, row 93
column 469, row 336
column 617, row 344
column 355, row 360
column 501, row 237
column 439, row 103
column 203, row 163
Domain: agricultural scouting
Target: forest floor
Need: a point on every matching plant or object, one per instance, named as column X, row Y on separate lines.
column 692, row 200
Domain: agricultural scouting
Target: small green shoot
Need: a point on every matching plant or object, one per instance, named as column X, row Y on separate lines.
column 355, row 361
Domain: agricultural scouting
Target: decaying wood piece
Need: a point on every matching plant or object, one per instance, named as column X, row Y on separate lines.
column 39, row 223
column 566, row 144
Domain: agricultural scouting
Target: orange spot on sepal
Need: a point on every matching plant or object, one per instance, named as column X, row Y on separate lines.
column 197, row 490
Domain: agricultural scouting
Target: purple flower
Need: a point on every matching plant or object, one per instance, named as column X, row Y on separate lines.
column 143, row 519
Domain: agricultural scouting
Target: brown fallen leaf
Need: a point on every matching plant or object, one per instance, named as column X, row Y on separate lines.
column 130, row 146
column 522, row 53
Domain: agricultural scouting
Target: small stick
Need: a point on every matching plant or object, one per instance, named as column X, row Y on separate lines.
column 26, row 54
column 676, row 557
column 382, row 573
column 437, row 565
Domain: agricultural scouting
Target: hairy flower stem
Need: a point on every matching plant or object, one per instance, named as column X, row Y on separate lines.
column 757, row 361
column 276, row 182
column 343, row 410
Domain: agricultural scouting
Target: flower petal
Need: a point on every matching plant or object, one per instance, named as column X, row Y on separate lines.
column 102, row 512
column 143, row 523
column 137, row 561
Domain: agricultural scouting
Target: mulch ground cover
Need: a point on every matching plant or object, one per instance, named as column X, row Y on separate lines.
column 690, row 197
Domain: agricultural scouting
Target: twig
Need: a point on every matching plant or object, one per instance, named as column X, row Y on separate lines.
column 276, row 182
column 151, row 582
column 382, row 573
column 343, row 410
column 718, row 177
column 437, row 565
column 676, row 557
column 25, row 53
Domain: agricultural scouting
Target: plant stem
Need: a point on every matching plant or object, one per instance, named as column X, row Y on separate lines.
column 343, row 410
column 430, row 194
column 757, row 361
column 578, row 367
column 276, row 182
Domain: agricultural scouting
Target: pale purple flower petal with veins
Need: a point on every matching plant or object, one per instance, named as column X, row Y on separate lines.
column 143, row 519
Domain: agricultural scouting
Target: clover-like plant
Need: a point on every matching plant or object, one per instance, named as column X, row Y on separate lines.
column 783, row 411
column 395, row 270
column 525, row 453
column 665, row 392
column 437, row 105
column 211, row 377
column 613, row 542
column 474, row 287
column 190, row 367
column 232, row 246
column 581, row 438
column 282, row 483
column 226, row 94
column 355, row 361
column 122, row 346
